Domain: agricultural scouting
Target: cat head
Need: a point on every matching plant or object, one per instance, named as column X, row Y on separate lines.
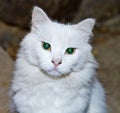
column 57, row 49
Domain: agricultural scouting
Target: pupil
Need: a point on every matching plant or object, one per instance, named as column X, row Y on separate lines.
column 70, row 50
column 46, row 45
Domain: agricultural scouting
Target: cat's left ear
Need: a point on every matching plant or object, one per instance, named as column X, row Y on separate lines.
column 86, row 26
column 39, row 16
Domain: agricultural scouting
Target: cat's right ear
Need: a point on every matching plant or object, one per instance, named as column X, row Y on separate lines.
column 39, row 16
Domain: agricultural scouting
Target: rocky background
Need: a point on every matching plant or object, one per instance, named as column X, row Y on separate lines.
column 15, row 18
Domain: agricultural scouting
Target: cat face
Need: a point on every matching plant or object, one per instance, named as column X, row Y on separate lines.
column 57, row 49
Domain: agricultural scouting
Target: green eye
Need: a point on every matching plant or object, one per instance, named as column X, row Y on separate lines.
column 70, row 50
column 46, row 46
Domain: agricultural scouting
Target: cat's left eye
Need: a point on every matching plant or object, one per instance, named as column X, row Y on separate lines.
column 70, row 50
column 46, row 46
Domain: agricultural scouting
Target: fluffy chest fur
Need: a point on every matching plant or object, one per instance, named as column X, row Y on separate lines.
column 49, row 99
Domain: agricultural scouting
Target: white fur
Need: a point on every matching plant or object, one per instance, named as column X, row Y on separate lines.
column 71, row 87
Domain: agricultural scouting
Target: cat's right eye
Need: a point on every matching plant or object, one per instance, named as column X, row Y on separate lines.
column 46, row 46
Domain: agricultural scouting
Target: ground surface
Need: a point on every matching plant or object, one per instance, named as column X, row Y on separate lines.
column 6, row 67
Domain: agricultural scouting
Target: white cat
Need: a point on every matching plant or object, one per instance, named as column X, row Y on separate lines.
column 55, row 69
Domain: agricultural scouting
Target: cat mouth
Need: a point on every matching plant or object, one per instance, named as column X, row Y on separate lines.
column 54, row 72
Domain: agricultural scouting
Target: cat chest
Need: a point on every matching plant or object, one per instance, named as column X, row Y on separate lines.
column 55, row 96
column 52, row 98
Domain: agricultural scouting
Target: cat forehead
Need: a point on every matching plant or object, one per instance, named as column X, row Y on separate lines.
column 60, row 34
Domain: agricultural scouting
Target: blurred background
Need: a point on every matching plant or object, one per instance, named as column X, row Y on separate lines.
column 15, row 16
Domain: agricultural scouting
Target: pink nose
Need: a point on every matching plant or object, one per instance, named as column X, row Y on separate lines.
column 56, row 63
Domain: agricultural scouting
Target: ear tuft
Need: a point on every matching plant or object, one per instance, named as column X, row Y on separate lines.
column 39, row 16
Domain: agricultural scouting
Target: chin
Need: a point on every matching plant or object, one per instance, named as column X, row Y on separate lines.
column 54, row 73
column 58, row 74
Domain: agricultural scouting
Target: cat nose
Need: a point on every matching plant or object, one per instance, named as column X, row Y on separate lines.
column 56, row 63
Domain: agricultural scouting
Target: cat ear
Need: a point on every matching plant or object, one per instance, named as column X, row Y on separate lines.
column 85, row 25
column 39, row 16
